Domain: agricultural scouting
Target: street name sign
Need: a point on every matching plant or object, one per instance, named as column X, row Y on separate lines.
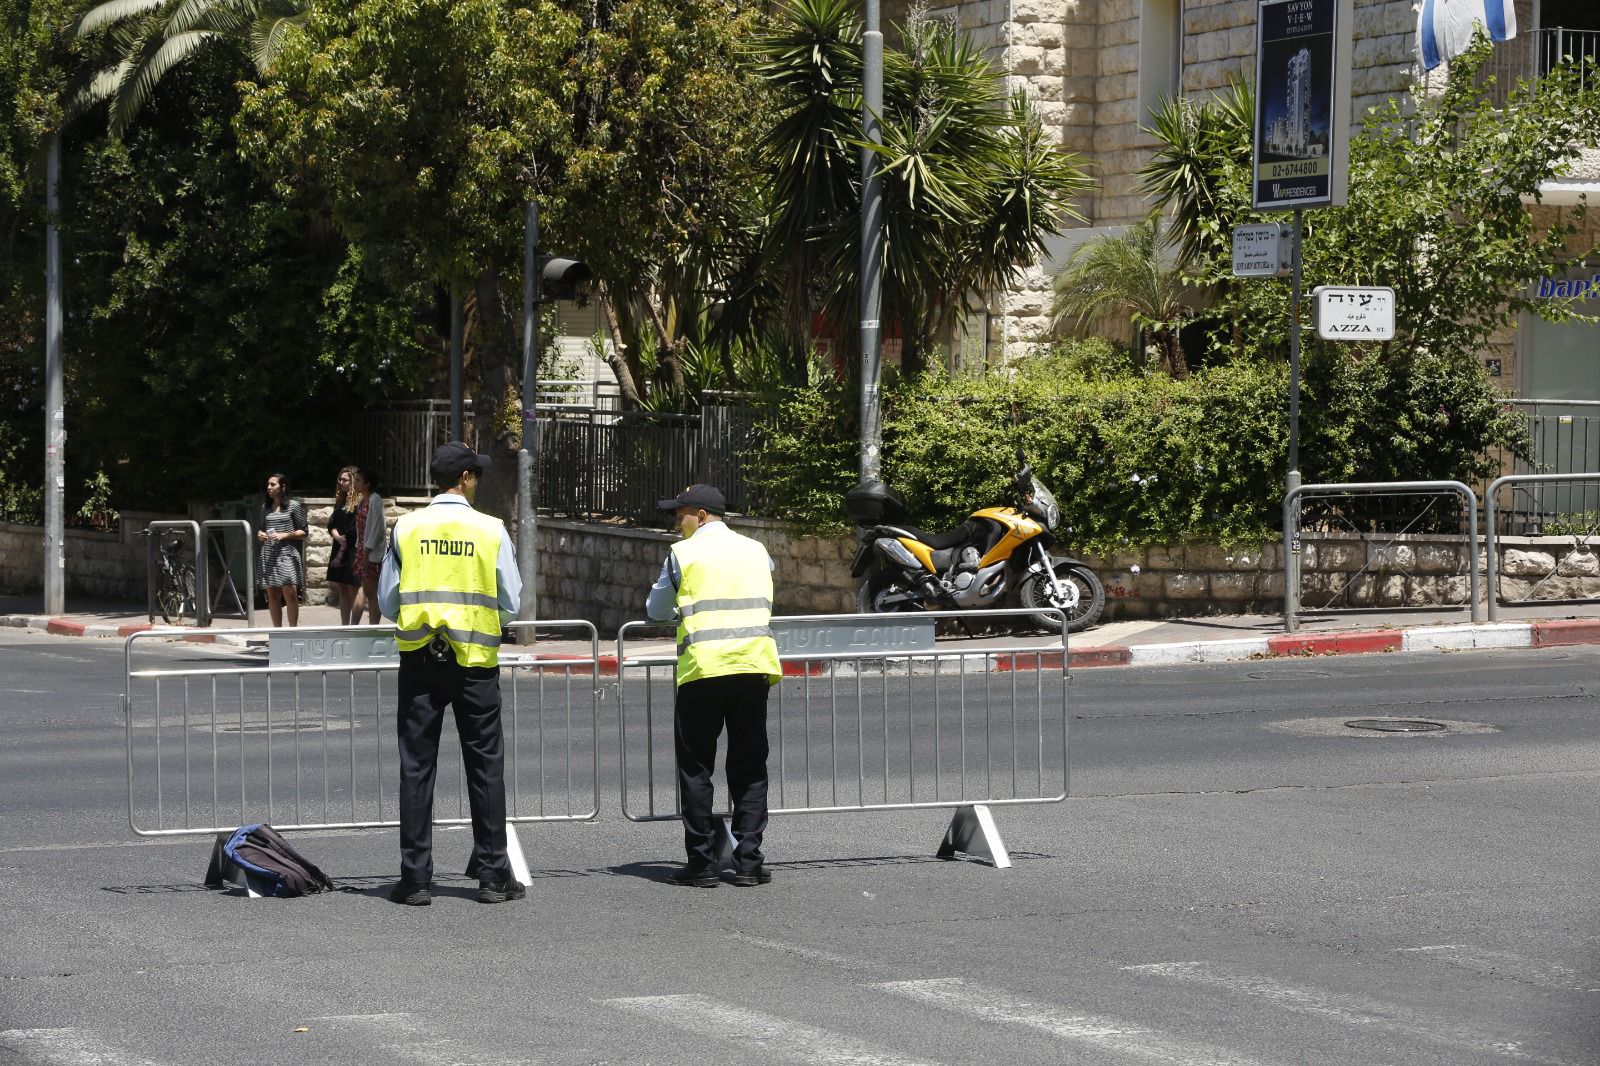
column 1264, row 251
column 1354, row 312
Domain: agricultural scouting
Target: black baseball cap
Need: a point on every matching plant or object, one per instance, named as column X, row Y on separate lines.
column 706, row 498
column 450, row 459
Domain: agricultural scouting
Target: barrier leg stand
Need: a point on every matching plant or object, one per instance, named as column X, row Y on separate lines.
column 726, row 846
column 216, row 869
column 519, row 863
column 973, row 831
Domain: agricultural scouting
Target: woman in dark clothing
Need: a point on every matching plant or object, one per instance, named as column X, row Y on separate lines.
column 281, row 566
column 342, row 553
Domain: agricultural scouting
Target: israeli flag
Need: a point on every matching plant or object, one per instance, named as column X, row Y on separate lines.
column 1444, row 27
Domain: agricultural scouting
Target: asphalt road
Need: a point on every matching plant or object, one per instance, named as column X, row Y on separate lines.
column 1237, row 878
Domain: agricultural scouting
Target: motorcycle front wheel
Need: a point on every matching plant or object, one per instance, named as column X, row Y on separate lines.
column 1082, row 598
column 874, row 588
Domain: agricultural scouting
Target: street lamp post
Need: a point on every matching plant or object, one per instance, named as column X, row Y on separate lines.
column 871, row 247
column 55, row 430
column 527, row 506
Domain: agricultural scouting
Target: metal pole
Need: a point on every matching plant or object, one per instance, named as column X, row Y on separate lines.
column 527, row 506
column 1291, row 481
column 55, row 431
column 871, row 246
column 458, row 328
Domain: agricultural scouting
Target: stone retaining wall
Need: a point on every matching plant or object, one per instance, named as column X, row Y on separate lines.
column 108, row 565
column 602, row 572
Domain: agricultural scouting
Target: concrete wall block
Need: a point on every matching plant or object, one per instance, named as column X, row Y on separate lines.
column 1166, row 557
column 1580, row 562
column 1391, row 590
column 1522, row 563
column 1233, row 587
column 1384, row 557
column 1437, row 558
column 1185, row 586
column 1333, row 556
column 1362, row 591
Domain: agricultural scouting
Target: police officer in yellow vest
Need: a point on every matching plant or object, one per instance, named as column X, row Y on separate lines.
column 450, row 583
column 717, row 585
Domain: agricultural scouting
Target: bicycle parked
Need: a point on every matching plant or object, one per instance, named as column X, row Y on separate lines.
column 174, row 581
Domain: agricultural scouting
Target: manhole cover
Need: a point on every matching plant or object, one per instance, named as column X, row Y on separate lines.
column 1395, row 725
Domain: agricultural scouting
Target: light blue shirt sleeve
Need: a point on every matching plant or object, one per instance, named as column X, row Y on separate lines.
column 389, row 585
column 508, row 580
column 662, row 603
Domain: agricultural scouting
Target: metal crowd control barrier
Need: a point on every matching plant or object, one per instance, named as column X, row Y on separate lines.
column 1490, row 509
column 303, row 736
column 1291, row 531
column 152, row 567
column 873, row 715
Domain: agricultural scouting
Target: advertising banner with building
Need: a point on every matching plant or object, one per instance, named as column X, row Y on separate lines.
column 1302, row 135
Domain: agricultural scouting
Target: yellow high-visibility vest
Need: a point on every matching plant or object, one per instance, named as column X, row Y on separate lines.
column 725, row 608
column 447, row 582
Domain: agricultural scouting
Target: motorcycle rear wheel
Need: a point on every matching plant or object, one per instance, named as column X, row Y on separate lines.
column 873, row 588
column 1082, row 609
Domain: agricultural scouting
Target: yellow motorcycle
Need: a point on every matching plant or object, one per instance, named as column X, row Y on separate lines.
column 998, row 550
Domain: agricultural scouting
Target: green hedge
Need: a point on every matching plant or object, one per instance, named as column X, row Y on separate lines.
column 1135, row 460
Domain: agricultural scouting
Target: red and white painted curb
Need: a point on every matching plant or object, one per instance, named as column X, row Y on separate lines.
column 1563, row 633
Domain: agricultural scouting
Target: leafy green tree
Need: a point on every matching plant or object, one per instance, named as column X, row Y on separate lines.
column 1133, row 272
column 431, row 122
column 218, row 327
column 1436, row 210
column 971, row 187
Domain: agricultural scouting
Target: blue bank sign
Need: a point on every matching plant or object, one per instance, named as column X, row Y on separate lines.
column 1569, row 288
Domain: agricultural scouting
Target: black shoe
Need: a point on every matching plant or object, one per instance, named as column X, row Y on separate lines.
column 500, row 891
column 751, row 878
column 696, row 877
column 411, row 895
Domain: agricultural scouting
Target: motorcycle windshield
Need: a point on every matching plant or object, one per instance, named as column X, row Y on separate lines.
column 1042, row 505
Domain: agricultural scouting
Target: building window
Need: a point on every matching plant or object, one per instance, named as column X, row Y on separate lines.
column 1160, row 53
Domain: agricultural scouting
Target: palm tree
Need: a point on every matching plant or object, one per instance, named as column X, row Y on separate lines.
column 1204, row 155
column 971, row 188
column 1136, row 272
column 146, row 38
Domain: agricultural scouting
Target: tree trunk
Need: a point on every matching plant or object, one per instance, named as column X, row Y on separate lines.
column 1175, row 359
column 670, row 371
column 616, row 356
column 497, row 405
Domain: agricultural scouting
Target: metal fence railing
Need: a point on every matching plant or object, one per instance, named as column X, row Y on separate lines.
column 1532, row 54
column 1565, row 439
column 1373, row 564
column 1563, row 567
column 871, row 718
column 304, row 739
column 594, row 458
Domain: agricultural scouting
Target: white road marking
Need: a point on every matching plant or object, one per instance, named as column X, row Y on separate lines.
column 68, row 1047
column 841, row 961
column 405, row 1036
column 1097, row 1033
column 791, row 1041
column 1352, row 1010
column 1506, row 964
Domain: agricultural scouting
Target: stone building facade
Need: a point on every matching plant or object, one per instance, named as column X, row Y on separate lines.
column 1097, row 67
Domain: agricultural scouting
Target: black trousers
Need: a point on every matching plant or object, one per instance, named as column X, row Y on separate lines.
column 702, row 710
column 427, row 687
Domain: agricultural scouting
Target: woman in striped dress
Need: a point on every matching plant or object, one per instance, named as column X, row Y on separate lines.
column 282, row 569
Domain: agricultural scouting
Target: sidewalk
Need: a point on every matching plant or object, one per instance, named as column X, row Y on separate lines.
column 1153, row 642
